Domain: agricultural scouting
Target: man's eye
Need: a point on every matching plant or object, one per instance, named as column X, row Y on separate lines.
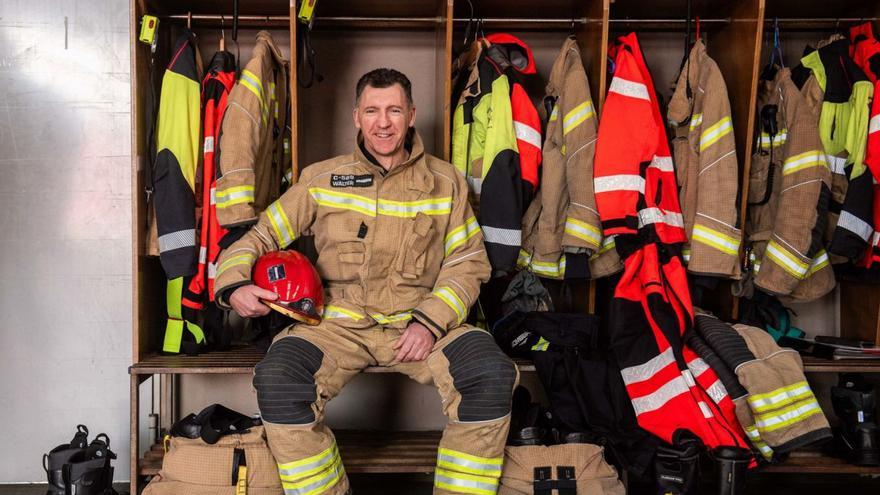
column 396, row 111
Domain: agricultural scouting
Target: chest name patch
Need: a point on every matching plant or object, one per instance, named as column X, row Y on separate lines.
column 351, row 180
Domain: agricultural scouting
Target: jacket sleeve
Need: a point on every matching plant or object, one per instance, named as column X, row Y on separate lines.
column 465, row 266
column 716, row 237
column 243, row 124
column 578, row 150
column 282, row 222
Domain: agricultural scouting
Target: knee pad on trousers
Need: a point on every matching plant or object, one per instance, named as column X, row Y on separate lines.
column 285, row 381
column 482, row 374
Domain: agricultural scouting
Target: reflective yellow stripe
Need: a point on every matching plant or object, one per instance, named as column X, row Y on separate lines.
column 309, row 465
column 280, row 224
column 555, row 113
column 607, row 244
column 788, row 416
column 686, row 255
column 332, row 312
column 240, row 259
column 576, row 116
column 583, row 231
column 225, row 198
column 715, row 239
column 696, row 120
column 461, row 234
column 460, row 461
column 717, row 131
column 756, row 440
column 819, row 262
column 812, row 158
column 524, row 258
column 788, row 261
column 779, row 397
column 250, row 81
column 345, row 201
column 392, row 318
column 437, row 206
column 549, row 269
column 318, row 484
column 541, row 345
column 452, row 300
column 778, row 140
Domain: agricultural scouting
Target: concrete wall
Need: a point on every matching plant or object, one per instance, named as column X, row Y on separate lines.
column 65, row 269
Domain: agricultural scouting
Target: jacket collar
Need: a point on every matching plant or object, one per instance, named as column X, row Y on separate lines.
column 266, row 37
column 562, row 65
column 415, row 169
column 680, row 106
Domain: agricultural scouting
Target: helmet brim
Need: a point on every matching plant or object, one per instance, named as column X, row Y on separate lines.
column 308, row 319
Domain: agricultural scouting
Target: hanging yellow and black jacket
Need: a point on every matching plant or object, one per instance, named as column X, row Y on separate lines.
column 178, row 145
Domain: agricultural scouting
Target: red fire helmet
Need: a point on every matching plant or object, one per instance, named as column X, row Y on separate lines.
column 290, row 275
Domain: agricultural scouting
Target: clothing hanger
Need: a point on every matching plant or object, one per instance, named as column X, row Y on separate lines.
column 189, row 20
column 222, row 34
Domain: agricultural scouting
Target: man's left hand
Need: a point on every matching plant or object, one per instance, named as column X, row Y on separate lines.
column 415, row 344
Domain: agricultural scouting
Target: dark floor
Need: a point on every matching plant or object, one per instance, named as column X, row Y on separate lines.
column 775, row 484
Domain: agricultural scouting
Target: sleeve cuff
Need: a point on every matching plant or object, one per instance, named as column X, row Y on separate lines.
column 436, row 329
column 221, row 296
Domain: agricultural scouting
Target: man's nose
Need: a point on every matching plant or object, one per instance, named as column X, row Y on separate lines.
column 384, row 120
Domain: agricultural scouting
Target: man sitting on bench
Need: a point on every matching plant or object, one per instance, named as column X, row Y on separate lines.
column 402, row 259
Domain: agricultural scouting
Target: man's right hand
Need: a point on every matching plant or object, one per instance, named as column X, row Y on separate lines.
column 245, row 300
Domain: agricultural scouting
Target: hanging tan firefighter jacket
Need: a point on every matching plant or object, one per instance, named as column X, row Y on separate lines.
column 562, row 220
column 394, row 247
column 788, row 196
column 706, row 167
column 253, row 137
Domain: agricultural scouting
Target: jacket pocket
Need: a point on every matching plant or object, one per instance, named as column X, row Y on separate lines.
column 411, row 261
column 344, row 264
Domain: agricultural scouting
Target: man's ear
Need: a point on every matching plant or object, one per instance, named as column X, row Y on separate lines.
column 412, row 117
column 354, row 116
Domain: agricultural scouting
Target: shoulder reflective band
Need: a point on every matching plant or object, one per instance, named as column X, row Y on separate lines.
column 250, row 81
column 712, row 134
column 174, row 326
column 629, row 88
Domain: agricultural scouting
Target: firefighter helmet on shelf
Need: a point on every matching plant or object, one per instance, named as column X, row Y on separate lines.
column 290, row 275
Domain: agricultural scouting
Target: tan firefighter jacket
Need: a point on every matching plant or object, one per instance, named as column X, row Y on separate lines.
column 562, row 218
column 789, row 192
column 253, row 137
column 391, row 248
column 706, row 167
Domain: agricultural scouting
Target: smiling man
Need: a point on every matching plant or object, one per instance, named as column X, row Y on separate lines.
column 402, row 258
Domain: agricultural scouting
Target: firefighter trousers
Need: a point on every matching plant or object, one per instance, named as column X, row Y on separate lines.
column 308, row 365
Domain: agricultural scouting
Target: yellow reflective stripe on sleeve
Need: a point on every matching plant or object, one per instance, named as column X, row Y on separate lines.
column 607, row 244
column 553, row 270
column 778, row 140
column 280, row 224
column 239, row 259
column 453, row 301
column 696, row 120
column 225, row 198
column 779, row 397
column 468, row 463
column 461, row 234
column 522, row 261
column 437, row 206
column 309, row 465
column 717, row 131
column 576, row 116
column 541, row 345
column 715, row 239
column 555, row 113
column 819, row 262
column 318, row 484
column 345, row 201
column 392, row 318
column 686, row 255
column 333, row 312
column 583, row 231
column 785, row 259
column 755, row 437
column 812, row 158
column 787, row 416
column 250, row 81
column 465, row 483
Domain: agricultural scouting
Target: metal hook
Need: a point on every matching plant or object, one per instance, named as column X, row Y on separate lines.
column 222, row 33
column 189, row 19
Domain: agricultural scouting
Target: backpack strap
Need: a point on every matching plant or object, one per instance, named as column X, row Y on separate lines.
column 217, row 420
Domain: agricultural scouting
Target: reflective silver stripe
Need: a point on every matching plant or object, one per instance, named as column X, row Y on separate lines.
column 457, row 482
column 653, row 215
column 213, row 195
column 629, row 88
column 855, row 225
column 697, row 366
column 780, row 396
column 437, row 206
column 282, row 227
column 527, row 133
column 619, row 183
column 576, row 116
column 212, row 270
column 707, row 413
column 717, row 391
column 788, row 416
column 657, row 399
column 319, row 486
column 696, row 120
column 508, row 237
column 485, row 466
column 203, row 254
column 177, row 240
column 476, row 184
column 874, row 124
column 642, row 372
column 837, row 164
column 346, row 201
column 209, row 144
column 309, row 465
column 662, row 163
column 582, row 230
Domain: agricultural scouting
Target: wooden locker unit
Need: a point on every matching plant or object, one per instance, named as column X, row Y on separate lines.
column 347, row 37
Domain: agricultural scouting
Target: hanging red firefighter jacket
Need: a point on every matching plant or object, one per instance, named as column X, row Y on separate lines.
column 866, row 53
column 637, row 199
column 218, row 82
column 493, row 120
column 177, row 144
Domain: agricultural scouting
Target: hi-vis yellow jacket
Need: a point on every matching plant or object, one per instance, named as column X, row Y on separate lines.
column 254, row 142
column 706, row 167
column 391, row 248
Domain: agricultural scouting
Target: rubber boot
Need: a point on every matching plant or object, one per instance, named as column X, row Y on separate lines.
column 733, row 466
column 89, row 472
column 676, row 467
column 54, row 461
column 854, row 403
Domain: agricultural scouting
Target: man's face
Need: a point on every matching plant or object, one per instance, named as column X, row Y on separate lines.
column 383, row 115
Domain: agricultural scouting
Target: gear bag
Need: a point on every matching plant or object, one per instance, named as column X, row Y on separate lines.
column 567, row 469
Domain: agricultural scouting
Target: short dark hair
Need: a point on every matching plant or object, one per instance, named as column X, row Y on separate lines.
column 384, row 78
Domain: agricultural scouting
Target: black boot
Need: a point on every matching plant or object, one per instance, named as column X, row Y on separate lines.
column 854, row 403
column 89, row 472
column 676, row 467
column 733, row 465
column 54, row 461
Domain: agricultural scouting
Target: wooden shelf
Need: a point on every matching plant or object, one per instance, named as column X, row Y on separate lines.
column 813, row 461
column 361, row 451
column 238, row 360
column 817, row 365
